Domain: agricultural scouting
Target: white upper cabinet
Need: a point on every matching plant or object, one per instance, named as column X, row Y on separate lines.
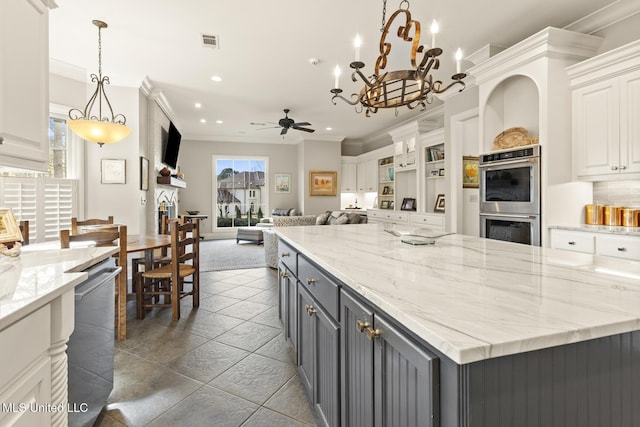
column 367, row 176
column 348, row 178
column 606, row 115
column 24, row 83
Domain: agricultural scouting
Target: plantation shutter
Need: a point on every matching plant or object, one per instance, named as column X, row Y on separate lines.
column 47, row 203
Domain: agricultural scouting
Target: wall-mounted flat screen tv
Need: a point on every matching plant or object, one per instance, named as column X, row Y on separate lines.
column 171, row 146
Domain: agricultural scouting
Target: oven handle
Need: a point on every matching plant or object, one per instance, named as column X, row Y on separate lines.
column 489, row 166
column 500, row 215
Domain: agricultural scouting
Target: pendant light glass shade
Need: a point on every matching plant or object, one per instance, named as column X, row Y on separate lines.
column 98, row 131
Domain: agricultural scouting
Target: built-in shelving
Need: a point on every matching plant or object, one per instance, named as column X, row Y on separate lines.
column 386, row 183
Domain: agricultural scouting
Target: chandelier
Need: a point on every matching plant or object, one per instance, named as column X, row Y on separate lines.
column 392, row 89
column 96, row 127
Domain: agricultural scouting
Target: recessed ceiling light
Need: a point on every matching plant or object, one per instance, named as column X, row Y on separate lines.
column 198, row 105
column 203, row 120
column 219, row 122
column 216, row 78
column 329, row 128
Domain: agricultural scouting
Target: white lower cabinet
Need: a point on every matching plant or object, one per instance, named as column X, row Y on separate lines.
column 619, row 246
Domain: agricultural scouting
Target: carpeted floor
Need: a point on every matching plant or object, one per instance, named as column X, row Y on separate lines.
column 225, row 254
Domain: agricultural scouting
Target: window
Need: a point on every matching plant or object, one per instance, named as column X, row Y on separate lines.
column 49, row 199
column 241, row 191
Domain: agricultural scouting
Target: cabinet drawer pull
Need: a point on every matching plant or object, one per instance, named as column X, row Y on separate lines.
column 284, row 254
column 614, row 168
column 622, row 249
column 373, row 333
column 1, row 140
column 622, row 168
column 362, row 325
column 571, row 242
column 310, row 281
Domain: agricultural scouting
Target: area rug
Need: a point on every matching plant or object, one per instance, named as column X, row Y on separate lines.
column 227, row 255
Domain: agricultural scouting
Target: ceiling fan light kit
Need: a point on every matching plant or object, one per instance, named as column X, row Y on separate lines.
column 96, row 127
column 392, row 89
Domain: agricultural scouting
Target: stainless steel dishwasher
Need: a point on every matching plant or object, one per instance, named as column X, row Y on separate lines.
column 91, row 345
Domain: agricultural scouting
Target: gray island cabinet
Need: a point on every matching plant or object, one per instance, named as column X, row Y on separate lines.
column 464, row 333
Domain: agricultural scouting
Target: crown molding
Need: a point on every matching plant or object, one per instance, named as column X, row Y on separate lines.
column 605, row 17
column 156, row 95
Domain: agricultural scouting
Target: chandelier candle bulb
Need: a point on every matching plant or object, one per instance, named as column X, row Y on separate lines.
column 434, row 31
column 458, row 59
column 336, row 74
column 356, row 44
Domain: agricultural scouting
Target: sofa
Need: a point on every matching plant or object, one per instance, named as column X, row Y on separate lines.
column 270, row 239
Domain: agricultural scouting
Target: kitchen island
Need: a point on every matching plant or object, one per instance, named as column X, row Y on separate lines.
column 36, row 320
column 503, row 334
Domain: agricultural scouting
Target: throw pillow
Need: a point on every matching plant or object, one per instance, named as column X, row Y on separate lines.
column 322, row 218
column 354, row 218
column 342, row 219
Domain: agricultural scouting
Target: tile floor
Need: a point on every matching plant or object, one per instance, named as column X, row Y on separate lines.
column 224, row 364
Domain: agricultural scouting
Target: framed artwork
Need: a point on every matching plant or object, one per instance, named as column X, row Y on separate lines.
column 144, row 173
column 9, row 230
column 283, row 183
column 323, row 183
column 439, row 206
column 113, row 171
column 408, row 204
column 441, row 172
column 470, row 177
column 384, row 204
column 385, row 190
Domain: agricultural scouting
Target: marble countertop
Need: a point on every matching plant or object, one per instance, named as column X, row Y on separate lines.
column 474, row 298
column 608, row 229
column 40, row 274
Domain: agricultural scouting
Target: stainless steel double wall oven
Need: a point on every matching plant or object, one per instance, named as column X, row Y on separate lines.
column 510, row 195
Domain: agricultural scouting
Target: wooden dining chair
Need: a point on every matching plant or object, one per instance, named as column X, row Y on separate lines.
column 24, row 229
column 92, row 221
column 164, row 286
column 114, row 236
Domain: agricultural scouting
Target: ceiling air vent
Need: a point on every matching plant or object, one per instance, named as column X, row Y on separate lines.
column 210, row 41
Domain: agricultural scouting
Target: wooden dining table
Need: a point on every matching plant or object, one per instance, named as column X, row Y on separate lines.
column 136, row 243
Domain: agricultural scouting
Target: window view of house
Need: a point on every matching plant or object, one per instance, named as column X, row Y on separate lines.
column 241, row 198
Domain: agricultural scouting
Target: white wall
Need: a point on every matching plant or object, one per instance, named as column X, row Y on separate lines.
column 320, row 156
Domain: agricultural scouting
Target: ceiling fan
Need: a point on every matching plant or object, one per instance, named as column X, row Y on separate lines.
column 286, row 123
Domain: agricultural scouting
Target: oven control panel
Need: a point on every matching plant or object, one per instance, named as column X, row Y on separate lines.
column 511, row 154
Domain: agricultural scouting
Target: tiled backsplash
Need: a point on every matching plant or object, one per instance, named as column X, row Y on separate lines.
column 617, row 193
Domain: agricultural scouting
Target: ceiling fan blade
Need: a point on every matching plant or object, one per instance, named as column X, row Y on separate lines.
column 303, row 129
column 257, row 124
column 302, row 124
column 284, row 131
column 272, row 127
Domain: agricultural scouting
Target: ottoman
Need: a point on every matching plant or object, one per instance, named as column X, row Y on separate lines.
column 270, row 248
column 252, row 234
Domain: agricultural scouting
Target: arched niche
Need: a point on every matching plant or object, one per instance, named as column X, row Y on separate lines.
column 514, row 102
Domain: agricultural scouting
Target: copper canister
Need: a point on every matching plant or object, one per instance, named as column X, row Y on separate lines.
column 612, row 215
column 594, row 214
column 630, row 217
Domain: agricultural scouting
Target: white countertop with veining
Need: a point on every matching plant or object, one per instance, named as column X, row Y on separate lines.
column 40, row 274
column 474, row 298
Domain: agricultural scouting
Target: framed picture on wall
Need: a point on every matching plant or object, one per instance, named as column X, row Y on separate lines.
column 323, row 183
column 113, row 171
column 282, row 183
column 144, row 173
column 470, row 172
